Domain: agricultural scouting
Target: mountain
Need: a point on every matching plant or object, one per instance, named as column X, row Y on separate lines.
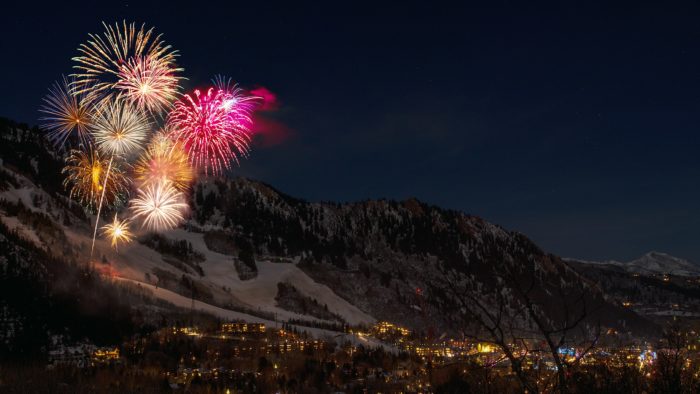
column 652, row 263
column 250, row 251
column 655, row 262
column 376, row 254
column 656, row 296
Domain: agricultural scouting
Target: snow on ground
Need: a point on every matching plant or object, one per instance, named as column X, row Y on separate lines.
column 134, row 260
column 14, row 224
column 261, row 291
column 23, row 194
column 650, row 264
column 185, row 302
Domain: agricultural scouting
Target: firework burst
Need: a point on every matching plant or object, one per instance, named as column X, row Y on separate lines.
column 161, row 206
column 65, row 113
column 212, row 127
column 88, row 178
column 117, row 231
column 148, row 83
column 126, row 80
column 164, row 161
column 238, row 105
column 103, row 57
column 119, row 128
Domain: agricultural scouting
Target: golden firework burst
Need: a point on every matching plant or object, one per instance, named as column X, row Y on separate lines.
column 104, row 57
column 161, row 206
column 119, row 128
column 65, row 113
column 87, row 176
column 117, row 231
column 164, row 161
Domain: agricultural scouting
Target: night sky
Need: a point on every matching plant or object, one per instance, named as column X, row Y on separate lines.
column 573, row 123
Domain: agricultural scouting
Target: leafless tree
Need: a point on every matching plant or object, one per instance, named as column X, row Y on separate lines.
column 671, row 376
column 515, row 312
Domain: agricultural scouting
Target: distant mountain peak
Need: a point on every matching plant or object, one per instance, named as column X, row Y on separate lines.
column 653, row 262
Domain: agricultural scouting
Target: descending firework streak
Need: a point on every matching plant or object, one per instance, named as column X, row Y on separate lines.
column 65, row 113
column 213, row 127
column 118, row 129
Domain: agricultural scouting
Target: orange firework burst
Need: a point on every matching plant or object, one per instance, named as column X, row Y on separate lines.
column 148, row 83
column 161, row 206
column 117, row 231
column 87, row 177
column 103, row 57
column 65, row 113
column 164, row 161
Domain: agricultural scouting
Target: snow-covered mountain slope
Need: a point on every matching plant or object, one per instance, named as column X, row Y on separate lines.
column 134, row 261
column 652, row 263
column 55, row 223
column 655, row 262
column 389, row 258
column 380, row 259
column 181, row 301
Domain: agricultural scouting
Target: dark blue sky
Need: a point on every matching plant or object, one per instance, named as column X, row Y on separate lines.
column 576, row 124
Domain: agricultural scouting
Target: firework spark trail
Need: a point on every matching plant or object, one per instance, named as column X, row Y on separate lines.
column 99, row 207
column 118, row 130
column 65, row 113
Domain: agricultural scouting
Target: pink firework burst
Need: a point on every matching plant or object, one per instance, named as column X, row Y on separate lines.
column 213, row 128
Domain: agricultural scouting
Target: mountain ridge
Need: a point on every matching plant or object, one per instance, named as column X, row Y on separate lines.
column 651, row 263
column 368, row 260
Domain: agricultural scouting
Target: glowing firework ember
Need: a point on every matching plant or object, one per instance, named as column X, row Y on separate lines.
column 65, row 113
column 161, row 206
column 148, row 83
column 104, row 57
column 87, row 177
column 213, row 127
column 117, row 231
column 164, row 161
column 119, row 128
